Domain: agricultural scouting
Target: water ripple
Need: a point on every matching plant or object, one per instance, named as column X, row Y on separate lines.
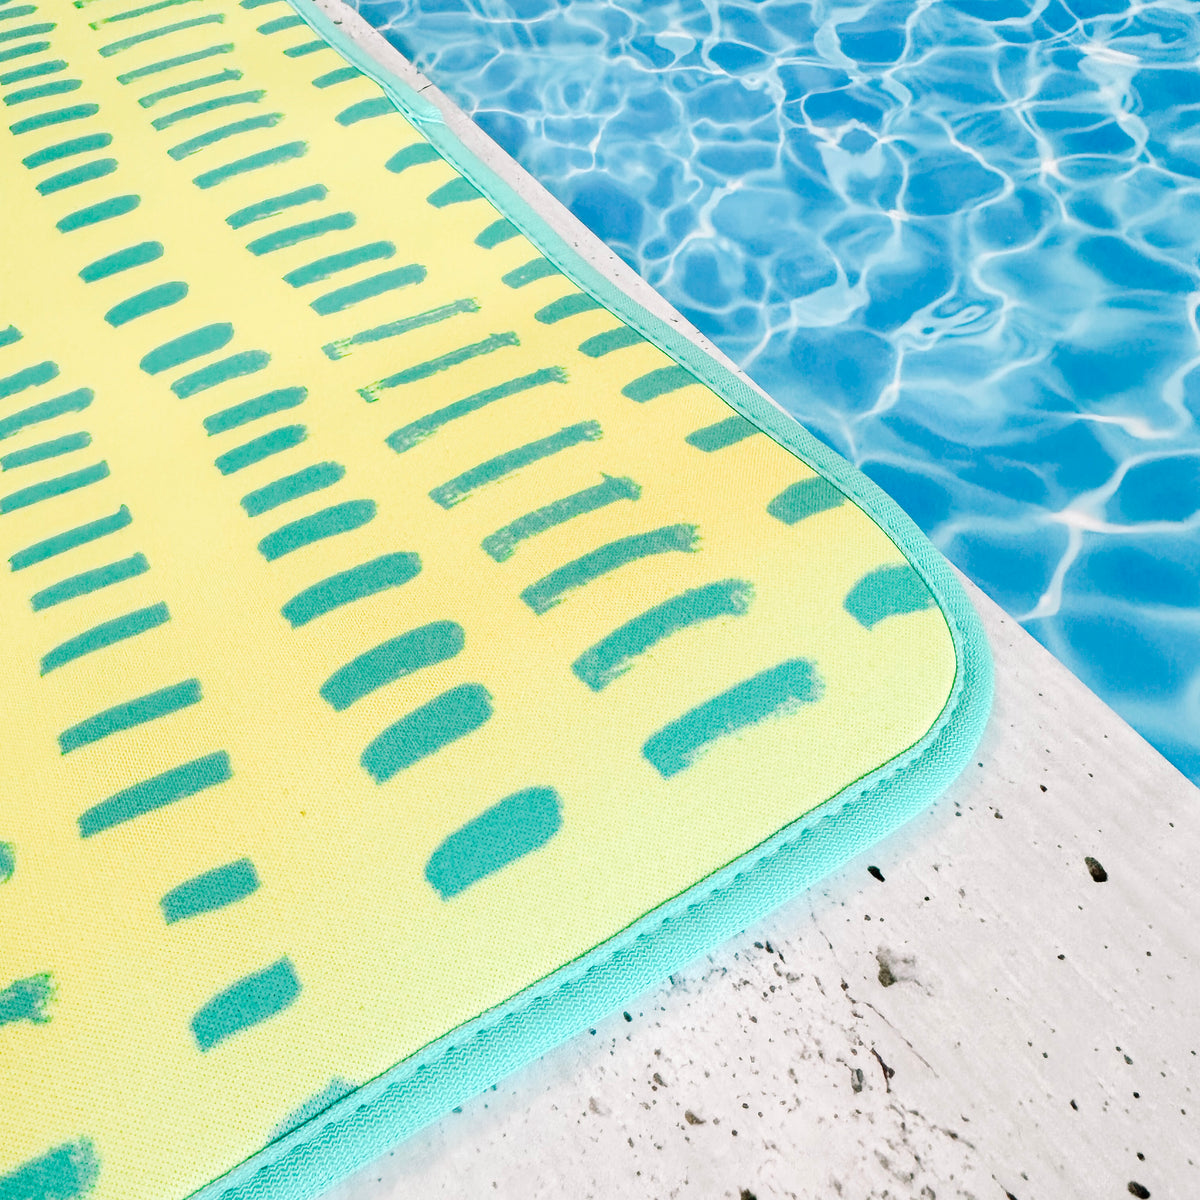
column 959, row 239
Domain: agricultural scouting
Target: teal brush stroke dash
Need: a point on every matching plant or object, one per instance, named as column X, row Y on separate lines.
column 292, row 21
column 211, row 137
column 456, row 490
column 496, row 233
column 122, row 260
column 26, row 31
column 293, row 235
column 333, row 264
column 457, row 191
column 417, row 431
column 502, row 544
column 614, row 655
column 206, row 340
column 108, row 633
column 566, row 306
column 530, row 272
column 343, row 346
column 333, row 78
column 27, row 1000
column 17, row 11
column 60, row 485
column 130, row 14
column 179, row 783
column 87, row 582
column 329, row 522
column 367, row 289
column 412, row 156
column 777, row 691
column 364, row 110
column 206, row 893
column 367, row 579
column 228, row 75
column 609, row 341
column 39, row 91
column 67, row 1172
column 275, row 205
column 59, row 116
column 151, row 34
column 97, row 168
column 305, row 49
column 130, row 715
column 200, row 108
column 392, row 660
column 23, row 51
column 35, row 71
column 265, row 405
column 45, row 450
column 247, row 1003
column 255, row 450
column 67, row 149
column 60, row 543
column 445, row 719
column 509, row 830
column 288, row 152
column 292, row 487
column 658, row 383
column 805, row 499
column 28, row 377
column 236, row 366
column 94, row 214
column 549, row 591
column 414, row 374
column 724, row 433
column 179, row 60
column 887, row 592
column 151, row 300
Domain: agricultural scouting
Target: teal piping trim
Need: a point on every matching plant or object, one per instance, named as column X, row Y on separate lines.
column 468, row 1060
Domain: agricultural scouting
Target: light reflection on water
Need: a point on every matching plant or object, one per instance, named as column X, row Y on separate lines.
column 959, row 240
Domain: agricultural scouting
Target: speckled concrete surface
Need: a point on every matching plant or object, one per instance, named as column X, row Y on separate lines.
column 1000, row 1000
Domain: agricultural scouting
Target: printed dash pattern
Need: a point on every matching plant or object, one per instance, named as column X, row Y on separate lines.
column 379, row 600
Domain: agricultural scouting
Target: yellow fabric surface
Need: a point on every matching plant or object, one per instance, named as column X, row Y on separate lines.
column 100, row 1050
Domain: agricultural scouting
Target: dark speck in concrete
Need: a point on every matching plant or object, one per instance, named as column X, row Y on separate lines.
column 875, row 873
column 856, row 1079
column 1136, row 1189
column 627, row 1016
column 747, row 1194
column 885, row 972
column 888, row 1072
column 691, row 1118
column 1098, row 873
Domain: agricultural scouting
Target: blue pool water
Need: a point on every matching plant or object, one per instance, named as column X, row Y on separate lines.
column 959, row 240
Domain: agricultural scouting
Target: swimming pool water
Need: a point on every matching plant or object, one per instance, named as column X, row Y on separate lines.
column 958, row 239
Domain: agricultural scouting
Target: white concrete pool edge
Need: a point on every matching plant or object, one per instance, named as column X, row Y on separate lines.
column 1039, row 1024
